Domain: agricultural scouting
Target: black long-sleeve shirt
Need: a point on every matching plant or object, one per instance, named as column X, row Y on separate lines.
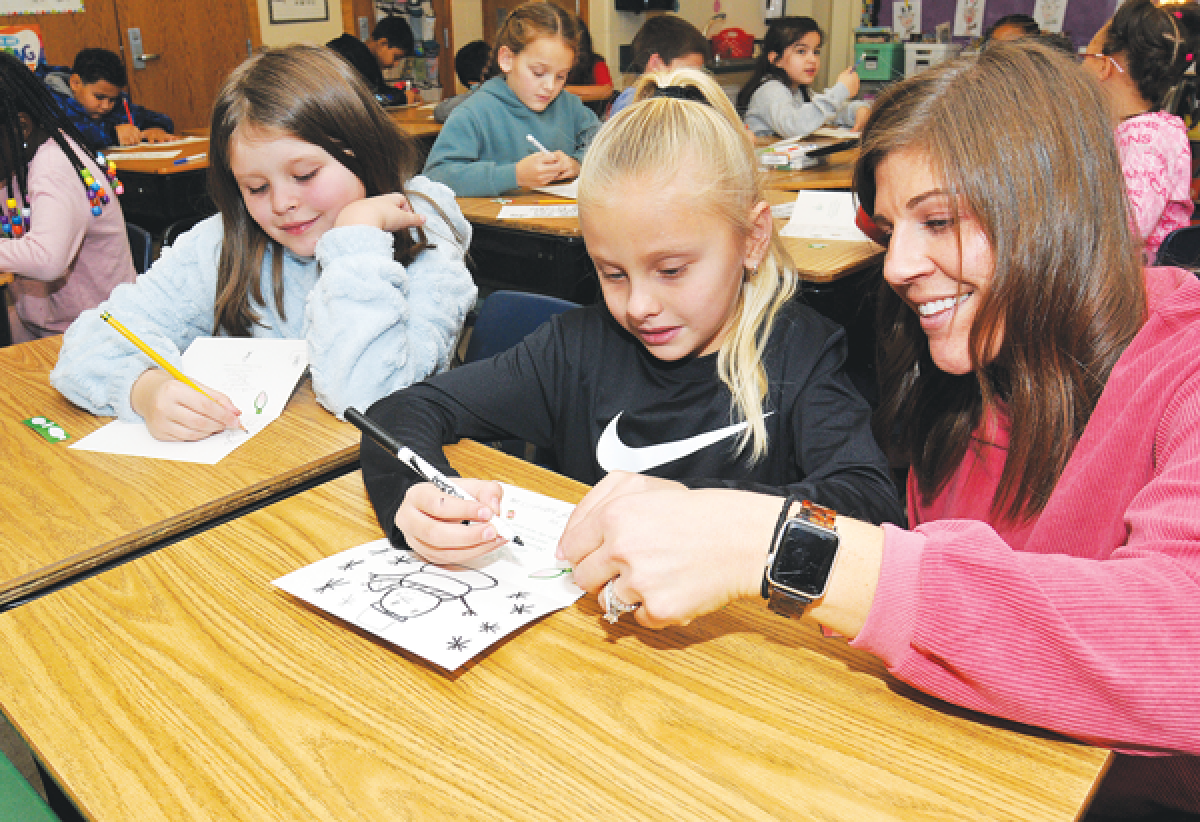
column 587, row 390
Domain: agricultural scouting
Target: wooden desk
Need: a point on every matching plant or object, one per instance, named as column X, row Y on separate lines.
column 65, row 512
column 416, row 120
column 159, row 192
column 836, row 173
column 184, row 686
column 817, row 262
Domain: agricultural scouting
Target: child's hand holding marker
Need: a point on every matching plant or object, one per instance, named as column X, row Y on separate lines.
column 545, row 167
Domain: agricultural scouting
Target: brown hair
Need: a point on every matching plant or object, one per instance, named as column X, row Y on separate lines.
column 314, row 95
column 532, row 21
column 1066, row 295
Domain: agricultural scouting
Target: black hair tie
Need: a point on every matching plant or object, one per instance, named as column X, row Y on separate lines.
column 682, row 93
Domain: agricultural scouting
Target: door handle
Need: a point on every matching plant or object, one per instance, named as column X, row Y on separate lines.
column 146, row 57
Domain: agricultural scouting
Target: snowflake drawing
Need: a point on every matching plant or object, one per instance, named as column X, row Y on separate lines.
column 457, row 644
column 330, row 585
column 349, row 566
column 522, row 609
column 489, row 627
column 518, row 595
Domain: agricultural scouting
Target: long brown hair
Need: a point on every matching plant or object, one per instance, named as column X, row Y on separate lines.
column 1020, row 139
column 312, row 94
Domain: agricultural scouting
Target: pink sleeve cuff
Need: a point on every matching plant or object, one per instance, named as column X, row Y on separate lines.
column 889, row 628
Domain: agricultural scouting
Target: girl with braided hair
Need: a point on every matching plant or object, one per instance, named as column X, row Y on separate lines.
column 62, row 232
column 1137, row 57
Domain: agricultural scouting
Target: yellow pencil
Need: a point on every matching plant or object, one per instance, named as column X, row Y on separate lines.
column 154, row 355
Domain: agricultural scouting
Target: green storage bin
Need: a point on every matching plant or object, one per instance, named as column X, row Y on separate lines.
column 879, row 61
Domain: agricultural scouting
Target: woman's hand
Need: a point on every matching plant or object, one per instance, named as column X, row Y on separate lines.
column 389, row 212
column 849, row 79
column 444, row 529
column 681, row 554
column 544, row 168
column 179, row 413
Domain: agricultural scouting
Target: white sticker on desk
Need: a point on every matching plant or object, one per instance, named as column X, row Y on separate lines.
column 512, row 212
column 448, row 613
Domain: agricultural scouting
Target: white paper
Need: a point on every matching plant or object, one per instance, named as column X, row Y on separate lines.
column 835, row 132
column 447, row 613
column 783, row 211
column 1049, row 14
column 906, row 18
column 568, row 190
column 968, row 18
column 825, row 215
column 258, row 375
column 145, row 155
column 512, row 212
column 178, row 141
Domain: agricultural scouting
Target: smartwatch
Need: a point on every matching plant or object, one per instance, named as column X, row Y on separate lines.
column 801, row 559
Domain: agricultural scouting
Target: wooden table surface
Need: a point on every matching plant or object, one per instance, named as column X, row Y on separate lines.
column 416, row 120
column 64, row 511
column 836, row 173
column 164, row 166
column 184, row 686
column 817, row 261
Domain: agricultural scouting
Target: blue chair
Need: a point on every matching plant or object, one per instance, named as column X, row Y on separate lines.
column 1181, row 248
column 141, row 244
column 18, row 799
column 506, row 318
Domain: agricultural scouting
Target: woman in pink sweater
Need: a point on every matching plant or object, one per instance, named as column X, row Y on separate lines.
column 1044, row 392
column 61, row 229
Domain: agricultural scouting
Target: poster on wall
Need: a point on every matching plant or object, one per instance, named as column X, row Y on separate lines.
column 1049, row 14
column 968, row 18
column 299, row 11
column 906, row 18
column 39, row 6
column 22, row 42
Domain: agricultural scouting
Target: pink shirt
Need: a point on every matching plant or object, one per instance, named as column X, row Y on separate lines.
column 1156, row 159
column 1086, row 621
column 69, row 260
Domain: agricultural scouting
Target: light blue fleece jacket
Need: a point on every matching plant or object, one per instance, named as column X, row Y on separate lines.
column 373, row 326
column 776, row 109
column 477, row 152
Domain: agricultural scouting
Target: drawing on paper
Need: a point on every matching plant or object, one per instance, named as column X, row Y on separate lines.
column 407, row 596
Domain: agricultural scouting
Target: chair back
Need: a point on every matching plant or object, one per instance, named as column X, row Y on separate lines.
column 1181, row 248
column 178, row 227
column 141, row 245
column 507, row 317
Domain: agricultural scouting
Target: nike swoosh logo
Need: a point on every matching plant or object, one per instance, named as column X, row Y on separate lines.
column 614, row 455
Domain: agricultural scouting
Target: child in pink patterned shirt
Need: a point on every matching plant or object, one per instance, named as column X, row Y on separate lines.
column 1137, row 57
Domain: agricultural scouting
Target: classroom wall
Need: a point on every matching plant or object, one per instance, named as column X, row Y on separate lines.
column 1084, row 17
column 468, row 25
column 281, row 34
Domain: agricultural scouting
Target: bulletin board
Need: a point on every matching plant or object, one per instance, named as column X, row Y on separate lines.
column 39, row 6
column 1084, row 17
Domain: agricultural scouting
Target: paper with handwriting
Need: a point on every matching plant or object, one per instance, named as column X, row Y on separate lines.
column 825, row 215
column 448, row 613
column 259, row 375
column 533, row 212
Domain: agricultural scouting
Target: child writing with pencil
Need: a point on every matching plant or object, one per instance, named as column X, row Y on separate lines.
column 323, row 234
column 699, row 366
column 62, row 232
column 485, row 147
column 777, row 99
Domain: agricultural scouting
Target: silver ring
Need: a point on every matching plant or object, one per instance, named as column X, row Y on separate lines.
column 613, row 606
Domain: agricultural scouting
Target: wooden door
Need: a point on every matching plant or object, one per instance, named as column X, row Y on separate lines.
column 197, row 44
column 64, row 35
column 494, row 12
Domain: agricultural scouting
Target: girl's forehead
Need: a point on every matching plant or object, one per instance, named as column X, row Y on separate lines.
column 549, row 48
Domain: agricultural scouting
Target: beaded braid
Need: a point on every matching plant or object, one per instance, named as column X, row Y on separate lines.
column 24, row 93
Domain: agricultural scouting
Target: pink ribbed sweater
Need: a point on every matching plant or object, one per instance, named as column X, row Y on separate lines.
column 1087, row 621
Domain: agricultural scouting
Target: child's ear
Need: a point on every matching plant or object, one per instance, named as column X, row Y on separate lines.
column 760, row 234
column 773, row 58
column 655, row 63
column 76, row 84
column 505, row 59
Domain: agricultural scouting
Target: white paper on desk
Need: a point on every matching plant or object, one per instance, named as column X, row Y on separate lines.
column 178, row 141
column 512, row 212
column 145, row 155
column 447, row 613
column 825, row 215
column 569, row 190
column 258, row 375
column 835, row 132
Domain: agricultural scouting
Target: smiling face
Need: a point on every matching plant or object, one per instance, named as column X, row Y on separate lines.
column 537, row 75
column 670, row 276
column 940, row 280
column 294, row 190
column 801, row 60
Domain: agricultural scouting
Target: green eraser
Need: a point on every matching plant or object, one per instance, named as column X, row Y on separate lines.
column 49, row 429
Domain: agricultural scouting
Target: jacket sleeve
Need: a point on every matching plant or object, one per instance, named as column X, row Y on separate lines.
column 836, row 453
column 455, row 159
column 148, row 118
column 1145, row 162
column 168, row 307
column 788, row 114
column 512, row 395
column 1104, row 650
column 374, row 325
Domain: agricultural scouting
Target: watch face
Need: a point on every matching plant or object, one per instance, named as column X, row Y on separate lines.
column 804, row 559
